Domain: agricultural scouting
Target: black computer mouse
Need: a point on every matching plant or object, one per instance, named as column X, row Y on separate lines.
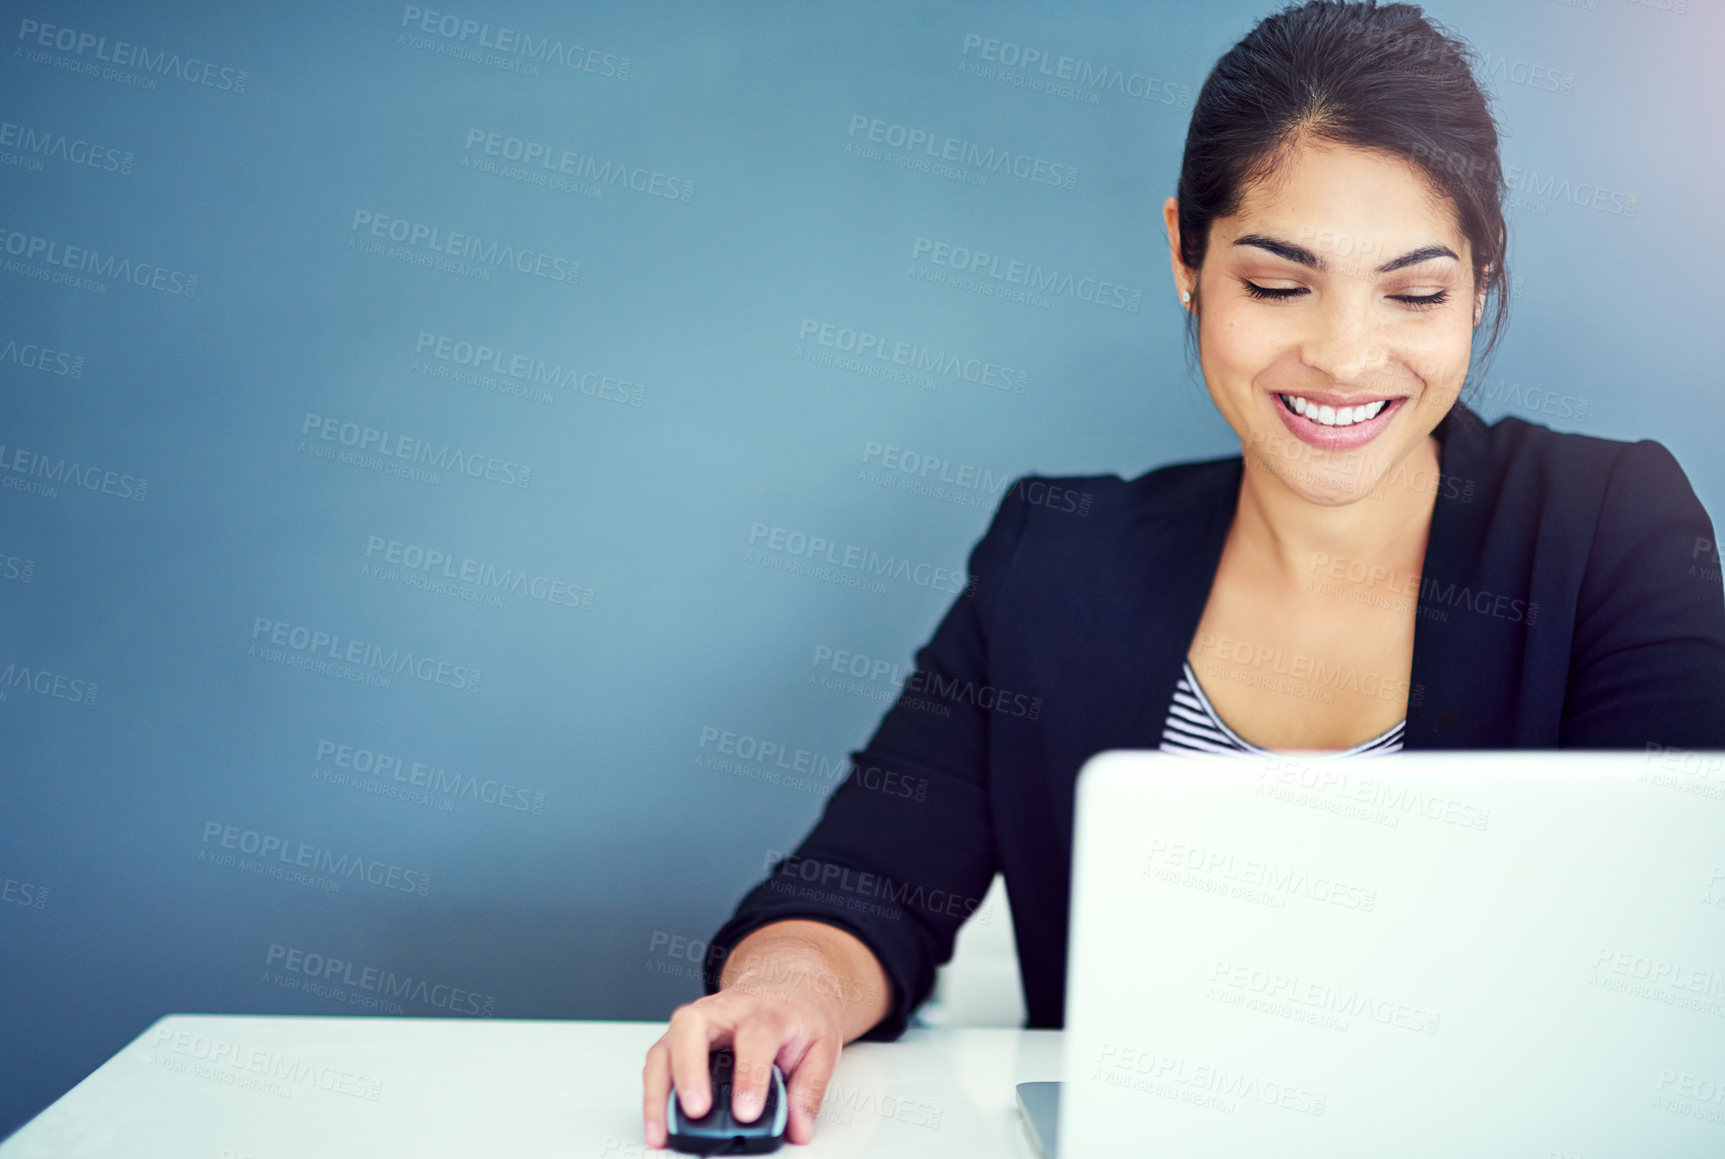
column 717, row 1132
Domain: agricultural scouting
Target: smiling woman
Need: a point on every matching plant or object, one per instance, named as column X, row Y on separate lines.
column 1338, row 303
column 1376, row 569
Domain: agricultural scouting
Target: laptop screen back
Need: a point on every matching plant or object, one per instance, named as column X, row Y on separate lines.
column 1489, row 954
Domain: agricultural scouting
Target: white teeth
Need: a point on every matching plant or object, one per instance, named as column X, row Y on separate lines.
column 1330, row 416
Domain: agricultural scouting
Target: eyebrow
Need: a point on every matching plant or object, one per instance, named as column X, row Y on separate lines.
column 1305, row 257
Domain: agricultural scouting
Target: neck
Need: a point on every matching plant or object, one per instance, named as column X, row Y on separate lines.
column 1388, row 526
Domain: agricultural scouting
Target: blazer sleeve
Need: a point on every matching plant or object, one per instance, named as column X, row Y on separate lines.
column 904, row 850
column 1647, row 668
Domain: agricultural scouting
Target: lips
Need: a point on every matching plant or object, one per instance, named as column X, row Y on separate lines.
column 1333, row 416
column 1353, row 420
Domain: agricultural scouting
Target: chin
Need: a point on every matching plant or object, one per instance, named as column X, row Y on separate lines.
column 1319, row 479
column 1323, row 490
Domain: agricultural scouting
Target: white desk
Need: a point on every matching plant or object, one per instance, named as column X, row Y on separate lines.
column 236, row 1087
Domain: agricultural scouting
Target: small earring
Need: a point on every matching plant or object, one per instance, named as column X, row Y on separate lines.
column 1185, row 295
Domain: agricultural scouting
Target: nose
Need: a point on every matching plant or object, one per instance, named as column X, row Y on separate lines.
column 1343, row 343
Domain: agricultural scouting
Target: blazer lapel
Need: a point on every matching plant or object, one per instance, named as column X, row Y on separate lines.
column 1134, row 617
column 1454, row 698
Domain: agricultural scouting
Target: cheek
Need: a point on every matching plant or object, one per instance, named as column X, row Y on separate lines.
column 1235, row 343
column 1439, row 358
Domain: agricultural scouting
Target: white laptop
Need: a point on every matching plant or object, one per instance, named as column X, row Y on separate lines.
column 1508, row 955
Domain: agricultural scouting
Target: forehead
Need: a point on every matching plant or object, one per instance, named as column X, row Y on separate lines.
column 1319, row 192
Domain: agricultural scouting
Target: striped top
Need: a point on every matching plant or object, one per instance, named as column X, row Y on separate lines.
column 1192, row 725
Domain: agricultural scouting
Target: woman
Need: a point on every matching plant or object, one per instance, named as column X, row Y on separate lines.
column 1378, row 569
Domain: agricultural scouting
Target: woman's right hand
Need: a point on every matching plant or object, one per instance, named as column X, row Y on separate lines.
column 791, row 995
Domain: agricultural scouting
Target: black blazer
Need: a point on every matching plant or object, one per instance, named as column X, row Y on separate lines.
column 1571, row 598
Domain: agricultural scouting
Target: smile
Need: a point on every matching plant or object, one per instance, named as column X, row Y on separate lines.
column 1329, row 416
column 1330, row 426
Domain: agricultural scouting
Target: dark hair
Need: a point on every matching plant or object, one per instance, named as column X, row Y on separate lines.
column 1354, row 74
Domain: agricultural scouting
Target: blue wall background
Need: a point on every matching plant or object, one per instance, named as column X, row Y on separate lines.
column 223, row 322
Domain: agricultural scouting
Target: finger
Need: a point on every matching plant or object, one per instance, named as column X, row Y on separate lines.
column 807, row 1088
column 755, row 1045
column 656, row 1085
column 691, row 1034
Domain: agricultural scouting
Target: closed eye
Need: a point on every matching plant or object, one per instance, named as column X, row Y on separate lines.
column 1265, row 293
column 1272, row 294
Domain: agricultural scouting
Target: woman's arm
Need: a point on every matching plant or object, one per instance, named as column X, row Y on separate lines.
column 904, row 850
column 1647, row 669
column 842, row 939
